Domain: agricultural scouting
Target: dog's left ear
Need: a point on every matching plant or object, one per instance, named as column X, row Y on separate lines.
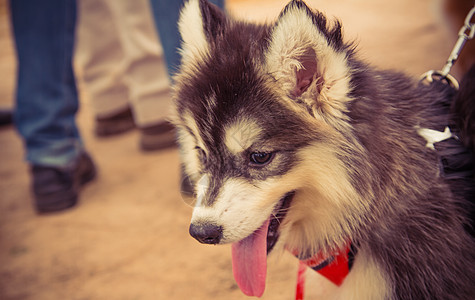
column 199, row 24
column 309, row 60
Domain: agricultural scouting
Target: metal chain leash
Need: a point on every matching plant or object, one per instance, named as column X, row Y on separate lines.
column 467, row 32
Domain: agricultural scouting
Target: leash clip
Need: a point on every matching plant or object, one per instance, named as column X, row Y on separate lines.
column 467, row 32
column 433, row 75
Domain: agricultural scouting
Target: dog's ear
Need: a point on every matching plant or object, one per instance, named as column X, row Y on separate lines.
column 199, row 24
column 308, row 59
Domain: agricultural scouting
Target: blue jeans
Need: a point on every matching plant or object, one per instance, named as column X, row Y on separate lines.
column 166, row 14
column 46, row 98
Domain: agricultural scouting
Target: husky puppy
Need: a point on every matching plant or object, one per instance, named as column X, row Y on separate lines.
column 294, row 143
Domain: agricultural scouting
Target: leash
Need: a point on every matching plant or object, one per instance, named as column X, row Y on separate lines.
column 466, row 32
column 455, row 160
column 337, row 266
column 456, row 154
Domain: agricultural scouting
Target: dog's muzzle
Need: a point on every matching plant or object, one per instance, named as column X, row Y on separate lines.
column 206, row 233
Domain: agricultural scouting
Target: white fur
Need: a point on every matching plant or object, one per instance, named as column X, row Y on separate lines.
column 365, row 281
column 195, row 45
column 325, row 206
column 241, row 208
column 241, row 135
column 294, row 34
column 188, row 142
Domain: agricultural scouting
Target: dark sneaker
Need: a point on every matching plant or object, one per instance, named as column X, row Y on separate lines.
column 116, row 124
column 56, row 189
column 6, row 116
column 156, row 137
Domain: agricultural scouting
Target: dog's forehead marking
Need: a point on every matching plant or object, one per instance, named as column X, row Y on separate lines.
column 241, row 134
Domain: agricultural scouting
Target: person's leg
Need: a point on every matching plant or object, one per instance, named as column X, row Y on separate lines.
column 47, row 100
column 166, row 14
column 145, row 73
column 103, row 64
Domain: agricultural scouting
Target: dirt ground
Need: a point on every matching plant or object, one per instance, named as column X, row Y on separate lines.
column 128, row 238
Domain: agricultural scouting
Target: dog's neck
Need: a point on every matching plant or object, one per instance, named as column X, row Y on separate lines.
column 334, row 267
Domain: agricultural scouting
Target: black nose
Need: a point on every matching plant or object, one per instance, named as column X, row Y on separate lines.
column 206, row 233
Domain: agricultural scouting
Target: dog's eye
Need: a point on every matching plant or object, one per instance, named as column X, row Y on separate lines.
column 260, row 158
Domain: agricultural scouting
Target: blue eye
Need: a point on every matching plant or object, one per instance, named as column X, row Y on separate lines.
column 260, row 158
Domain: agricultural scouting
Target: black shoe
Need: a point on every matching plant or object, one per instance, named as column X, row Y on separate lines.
column 157, row 137
column 116, row 124
column 57, row 189
column 6, row 116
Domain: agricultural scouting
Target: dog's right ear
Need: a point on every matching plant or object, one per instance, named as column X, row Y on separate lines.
column 199, row 24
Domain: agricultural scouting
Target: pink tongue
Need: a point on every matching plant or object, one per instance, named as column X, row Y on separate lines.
column 250, row 262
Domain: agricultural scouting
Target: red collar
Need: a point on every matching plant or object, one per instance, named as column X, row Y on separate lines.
column 335, row 268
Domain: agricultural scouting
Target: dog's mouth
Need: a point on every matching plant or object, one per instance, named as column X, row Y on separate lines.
column 250, row 254
column 276, row 219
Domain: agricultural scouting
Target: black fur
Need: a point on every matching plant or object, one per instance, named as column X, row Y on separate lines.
column 464, row 110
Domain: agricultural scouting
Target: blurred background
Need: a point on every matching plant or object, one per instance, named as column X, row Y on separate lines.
column 128, row 237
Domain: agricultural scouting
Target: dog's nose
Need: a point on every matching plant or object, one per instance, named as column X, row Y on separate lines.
column 206, row 233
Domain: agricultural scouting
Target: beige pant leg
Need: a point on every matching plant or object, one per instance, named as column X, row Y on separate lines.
column 145, row 72
column 101, row 58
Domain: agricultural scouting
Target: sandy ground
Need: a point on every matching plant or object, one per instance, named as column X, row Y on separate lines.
column 128, row 238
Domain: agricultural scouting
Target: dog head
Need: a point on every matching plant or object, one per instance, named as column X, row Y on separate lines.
column 263, row 129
